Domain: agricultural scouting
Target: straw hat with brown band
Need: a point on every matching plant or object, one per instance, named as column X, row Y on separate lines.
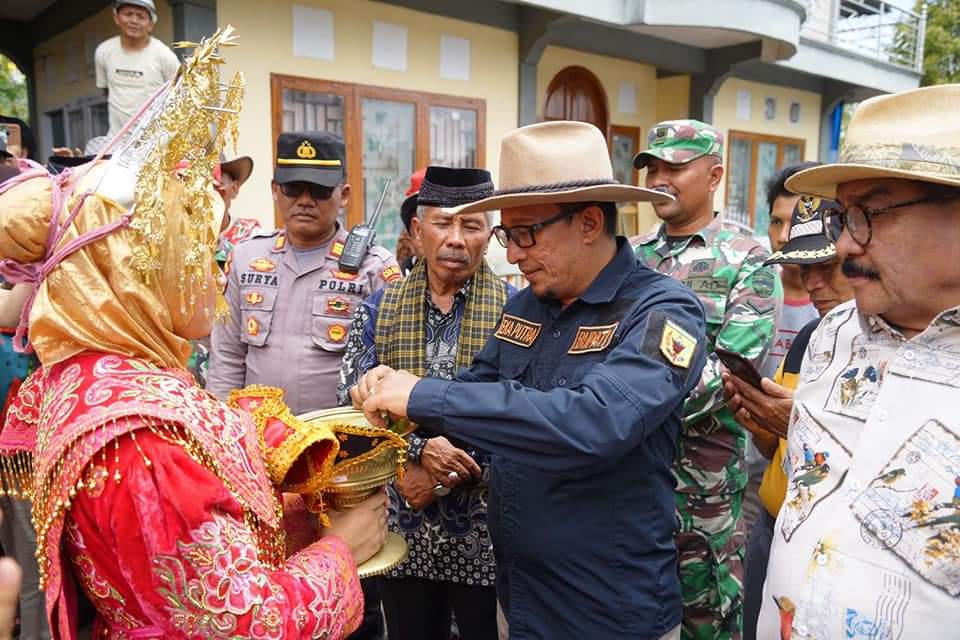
column 914, row 135
column 557, row 162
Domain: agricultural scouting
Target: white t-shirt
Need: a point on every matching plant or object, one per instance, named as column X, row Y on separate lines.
column 131, row 77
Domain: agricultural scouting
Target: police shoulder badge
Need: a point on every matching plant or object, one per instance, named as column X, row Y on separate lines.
column 337, row 332
column 591, row 339
column 676, row 345
column 517, row 330
column 390, row 274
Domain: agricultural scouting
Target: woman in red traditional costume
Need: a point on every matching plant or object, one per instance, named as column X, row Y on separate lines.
column 160, row 503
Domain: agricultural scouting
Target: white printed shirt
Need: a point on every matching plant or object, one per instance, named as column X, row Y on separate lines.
column 867, row 543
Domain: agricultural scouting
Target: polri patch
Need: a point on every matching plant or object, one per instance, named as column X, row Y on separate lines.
column 676, row 345
column 517, row 330
column 592, row 339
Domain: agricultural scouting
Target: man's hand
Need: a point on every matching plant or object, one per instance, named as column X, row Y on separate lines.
column 416, row 486
column 361, row 391
column 765, row 413
column 389, row 394
column 442, row 460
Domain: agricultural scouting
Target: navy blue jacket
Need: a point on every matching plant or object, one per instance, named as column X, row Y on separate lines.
column 581, row 505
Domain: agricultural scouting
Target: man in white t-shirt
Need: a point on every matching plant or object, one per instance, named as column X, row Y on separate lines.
column 132, row 65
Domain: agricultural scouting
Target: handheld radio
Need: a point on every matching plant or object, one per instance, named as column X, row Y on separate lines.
column 360, row 238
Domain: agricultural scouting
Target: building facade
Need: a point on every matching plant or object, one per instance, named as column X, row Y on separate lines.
column 413, row 82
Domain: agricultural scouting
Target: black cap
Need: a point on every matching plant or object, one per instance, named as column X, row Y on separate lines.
column 808, row 244
column 315, row 156
column 449, row 187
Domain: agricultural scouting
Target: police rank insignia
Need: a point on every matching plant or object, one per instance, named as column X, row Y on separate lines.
column 262, row 265
column 253, row 327
column 390, row 274
column 590, row 339
column 337, row 249
column 337, row 332
column 280, row 242
column 343, row 275
column 676, row 345
column 338, row 306
column 517, row 330
column 253, row 298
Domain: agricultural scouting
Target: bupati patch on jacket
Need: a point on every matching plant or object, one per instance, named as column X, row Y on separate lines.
column 262, row 265
column 517, row 330
column 592, row 339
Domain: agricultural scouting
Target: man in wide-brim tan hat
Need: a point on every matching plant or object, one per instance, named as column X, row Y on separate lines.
column 868, row 538
column 577, row 395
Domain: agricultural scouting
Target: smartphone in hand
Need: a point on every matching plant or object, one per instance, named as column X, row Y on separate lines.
column 739, row 366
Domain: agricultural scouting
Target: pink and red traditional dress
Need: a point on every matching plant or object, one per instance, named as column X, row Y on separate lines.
column 162, row 502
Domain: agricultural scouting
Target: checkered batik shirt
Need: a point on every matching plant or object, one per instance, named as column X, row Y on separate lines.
column 448, row 540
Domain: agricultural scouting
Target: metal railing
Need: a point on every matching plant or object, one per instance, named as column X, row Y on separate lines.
column 871, row 28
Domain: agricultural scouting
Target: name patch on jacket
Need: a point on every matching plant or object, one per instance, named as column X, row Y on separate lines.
column 517, row 330
column 264, row 279
column 591, row 339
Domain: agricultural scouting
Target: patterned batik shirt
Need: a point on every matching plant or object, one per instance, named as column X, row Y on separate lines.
column 742, row 299
column 867, row 543
column 448, row 540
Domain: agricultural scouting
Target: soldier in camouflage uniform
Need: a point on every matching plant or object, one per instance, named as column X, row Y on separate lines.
column 742, row 299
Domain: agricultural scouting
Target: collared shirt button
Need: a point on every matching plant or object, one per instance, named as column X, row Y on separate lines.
column 881, row 414
column 854, row 485
column 909, row 355
column 802, row 630
column 557, row 332
column 561, row 381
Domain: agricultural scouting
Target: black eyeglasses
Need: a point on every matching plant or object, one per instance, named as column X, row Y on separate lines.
column 856, row 219
column 523, row 236
column 317, row 191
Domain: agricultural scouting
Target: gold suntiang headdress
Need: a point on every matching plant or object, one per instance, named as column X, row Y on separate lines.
column 184, row 128
column 156, row 189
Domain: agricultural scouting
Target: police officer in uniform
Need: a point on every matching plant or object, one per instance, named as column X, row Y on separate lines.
column 578, row 395
column 290, row 304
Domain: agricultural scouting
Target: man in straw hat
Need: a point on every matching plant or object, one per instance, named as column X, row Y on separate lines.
column 868, row 540
column 741, row 296
column 578, row 397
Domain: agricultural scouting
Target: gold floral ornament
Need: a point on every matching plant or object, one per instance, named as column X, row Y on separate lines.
column 183, row 131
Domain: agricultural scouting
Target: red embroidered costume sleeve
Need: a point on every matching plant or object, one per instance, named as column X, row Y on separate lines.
column 166, row 551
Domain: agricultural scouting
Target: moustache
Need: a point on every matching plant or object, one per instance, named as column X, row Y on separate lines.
column 454, row 257
column 853, row 270
column 665, row 189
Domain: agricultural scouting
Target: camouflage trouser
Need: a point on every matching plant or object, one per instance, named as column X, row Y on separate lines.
column 711, row 542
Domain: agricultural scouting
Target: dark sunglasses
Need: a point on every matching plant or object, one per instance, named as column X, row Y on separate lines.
column 317, row 191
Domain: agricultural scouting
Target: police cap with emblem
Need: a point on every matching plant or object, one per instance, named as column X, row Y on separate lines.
column 807, row 244
column 315, row 156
